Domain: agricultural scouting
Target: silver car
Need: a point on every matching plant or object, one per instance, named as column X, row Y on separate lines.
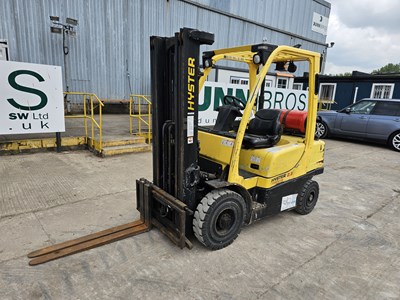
column 376, row 120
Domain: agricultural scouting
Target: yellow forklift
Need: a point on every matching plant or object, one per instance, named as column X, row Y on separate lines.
column 211, row 181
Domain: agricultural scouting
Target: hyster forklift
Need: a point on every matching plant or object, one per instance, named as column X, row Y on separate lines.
column 211, row 181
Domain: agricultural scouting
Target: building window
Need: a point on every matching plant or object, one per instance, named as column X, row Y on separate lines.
column 239, row 80
column 382, row 91
column 327, row 92
column 297, row 86
column 268, row 83
column 235, row 80
column 281, row 83
column 3, row 50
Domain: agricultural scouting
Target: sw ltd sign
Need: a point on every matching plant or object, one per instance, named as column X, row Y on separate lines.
column 31, row 98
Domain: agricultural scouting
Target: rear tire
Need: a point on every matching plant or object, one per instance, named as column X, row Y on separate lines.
column 321, row 130
column 308, row 198
column 219, row 218
column 394, row 141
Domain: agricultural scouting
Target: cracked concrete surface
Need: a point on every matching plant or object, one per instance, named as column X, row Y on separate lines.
column 347, row 248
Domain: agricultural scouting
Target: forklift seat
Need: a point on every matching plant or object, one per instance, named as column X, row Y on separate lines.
column 264, row 130
column 226, row 117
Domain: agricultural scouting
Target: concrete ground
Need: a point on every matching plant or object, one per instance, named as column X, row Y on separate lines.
column 347, row 248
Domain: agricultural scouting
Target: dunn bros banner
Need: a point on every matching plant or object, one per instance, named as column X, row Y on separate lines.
column 212, row 94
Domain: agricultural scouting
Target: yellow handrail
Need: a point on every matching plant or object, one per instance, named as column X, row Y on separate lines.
column 99, row 125
column 325, row 104
column 136, row 99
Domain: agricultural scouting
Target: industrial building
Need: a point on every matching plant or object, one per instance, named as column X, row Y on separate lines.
column 337, row 92
column 103, row 45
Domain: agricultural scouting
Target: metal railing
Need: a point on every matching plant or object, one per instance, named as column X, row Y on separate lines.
column 142, row 115
column 91, row 100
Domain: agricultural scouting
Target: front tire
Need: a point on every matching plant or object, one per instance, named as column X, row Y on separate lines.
column 308, row 198
column 321, row 130
column 394, row 141
column 219, row 218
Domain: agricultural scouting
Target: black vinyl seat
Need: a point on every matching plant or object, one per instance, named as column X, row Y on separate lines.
column 264, row 130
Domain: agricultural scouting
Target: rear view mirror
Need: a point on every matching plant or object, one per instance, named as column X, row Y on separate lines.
column 347, row 110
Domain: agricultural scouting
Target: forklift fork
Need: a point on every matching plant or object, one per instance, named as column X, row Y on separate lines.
column 147, row 195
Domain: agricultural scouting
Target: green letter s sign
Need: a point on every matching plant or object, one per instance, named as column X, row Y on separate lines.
column 12, row 82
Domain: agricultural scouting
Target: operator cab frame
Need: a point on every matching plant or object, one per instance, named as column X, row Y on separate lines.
column 242, row 149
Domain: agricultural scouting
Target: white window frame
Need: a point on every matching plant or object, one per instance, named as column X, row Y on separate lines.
column 239, row 80
column 374, row 85
column 332, row 99
column 286, row 82
column 244, row 81
column 268, row 83
column 4, row 55
column 297, row 86
column 234, row 80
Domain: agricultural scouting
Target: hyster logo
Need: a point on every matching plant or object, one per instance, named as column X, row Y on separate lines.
column 191, row 86
column 12, row 81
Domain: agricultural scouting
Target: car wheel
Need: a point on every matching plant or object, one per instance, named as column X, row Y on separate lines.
column 218, row 219
column 321, row 130
column 394, row 141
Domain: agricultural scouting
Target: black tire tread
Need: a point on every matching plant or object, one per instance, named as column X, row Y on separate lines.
column 300, row 208
column 202, row 213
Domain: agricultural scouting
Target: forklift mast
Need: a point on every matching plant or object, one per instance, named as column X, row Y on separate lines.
column 174, row 93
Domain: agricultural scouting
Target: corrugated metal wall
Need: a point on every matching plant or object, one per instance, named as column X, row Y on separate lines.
column 113, row 35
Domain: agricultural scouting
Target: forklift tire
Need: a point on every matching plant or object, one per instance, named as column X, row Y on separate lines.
column 308, row 197
column 219, row 218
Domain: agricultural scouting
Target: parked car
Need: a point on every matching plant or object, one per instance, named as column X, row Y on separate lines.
column 376, row 120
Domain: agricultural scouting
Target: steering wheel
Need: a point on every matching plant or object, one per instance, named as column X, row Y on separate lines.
column 234, row 101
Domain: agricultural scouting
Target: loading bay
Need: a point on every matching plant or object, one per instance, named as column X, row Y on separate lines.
column 347, row 248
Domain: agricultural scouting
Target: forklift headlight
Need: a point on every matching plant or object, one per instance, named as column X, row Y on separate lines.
column 207, row 63
column 256, row 59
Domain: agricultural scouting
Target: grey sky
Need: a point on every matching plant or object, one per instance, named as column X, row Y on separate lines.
column 366, row 35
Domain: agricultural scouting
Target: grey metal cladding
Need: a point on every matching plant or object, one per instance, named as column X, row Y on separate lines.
column 113, row 35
